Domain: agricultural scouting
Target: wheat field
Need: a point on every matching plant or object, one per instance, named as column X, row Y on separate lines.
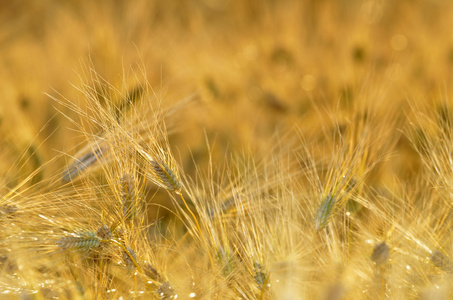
column 226, row 149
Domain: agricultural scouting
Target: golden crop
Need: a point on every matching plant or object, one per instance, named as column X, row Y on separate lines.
column 226, row 149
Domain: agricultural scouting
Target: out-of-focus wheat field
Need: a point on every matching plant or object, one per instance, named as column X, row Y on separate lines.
column 221, row 149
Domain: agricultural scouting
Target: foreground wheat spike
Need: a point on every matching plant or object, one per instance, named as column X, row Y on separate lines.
column 225, row 260
column 381, row 254
column 104, row 232
column 225, row 207
column 8, row 210
column 130, row 258
column 79, row 241
column 441, row 261
column 128, row 195
column 260, row 276
column 163, row 171
column 164, row 289
column 152, row 273
column 83, row 163
column 166, row 178
column 324, row 212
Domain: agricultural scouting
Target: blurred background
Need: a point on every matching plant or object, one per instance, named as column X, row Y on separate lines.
column 258, row 69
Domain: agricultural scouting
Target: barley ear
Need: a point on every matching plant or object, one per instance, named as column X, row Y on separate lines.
column 128, row 196
column 82, row 163
column 165, row 176
column 381, row 254
column 324, row 212
column 83, row 241
column 130, row 258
